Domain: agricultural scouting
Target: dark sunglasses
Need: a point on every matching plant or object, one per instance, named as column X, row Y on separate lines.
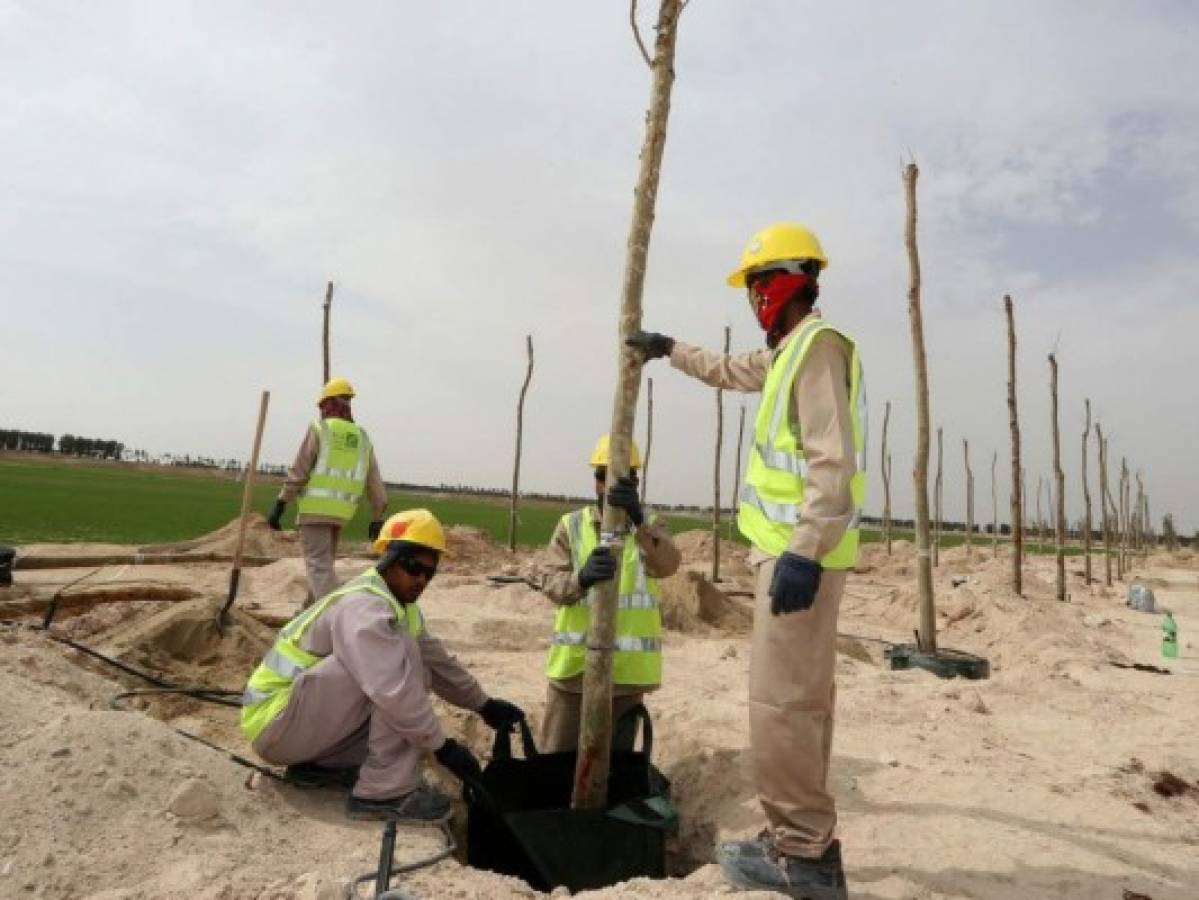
column 415, row 567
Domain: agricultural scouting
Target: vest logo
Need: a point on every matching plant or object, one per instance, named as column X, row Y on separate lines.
column 352, row 441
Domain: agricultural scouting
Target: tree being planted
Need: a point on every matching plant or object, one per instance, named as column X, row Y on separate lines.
column 1086, row 497
column 1017, row 471
column 1059, row 478
column 520, row 422
column 885, row 465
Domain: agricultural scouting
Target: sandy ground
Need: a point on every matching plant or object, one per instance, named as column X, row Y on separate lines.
column 1038, row 782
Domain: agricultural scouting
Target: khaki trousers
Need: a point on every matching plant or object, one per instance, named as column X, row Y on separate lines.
column 329, row 721
column 791, row 698
column 319, row 543
column 563, row 712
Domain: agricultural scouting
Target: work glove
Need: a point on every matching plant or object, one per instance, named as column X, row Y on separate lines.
column 623, row 495
column 653, row 345
column 373, row 529
column 794, row 585
column 500, row 715
column 459, row 760
column 600, row 566
column 276, row 515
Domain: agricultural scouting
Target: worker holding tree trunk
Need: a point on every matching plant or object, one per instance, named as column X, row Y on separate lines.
column 577, row 560
column 342, row 697
column 335, row 464
column 800, row 507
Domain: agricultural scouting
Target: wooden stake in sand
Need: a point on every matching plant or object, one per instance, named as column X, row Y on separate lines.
column 927, row 635
column 938, row 496
column 595, row 733
column 1059, row 477
column 885, row 466
column 1086, row 497
column 247, row 493
column 1017, row 471
column 520, row 424
column 649, row 435
column 716, row 469
column 737, row 470
column 325, row 331
column 1105, row 504
column 969, row 499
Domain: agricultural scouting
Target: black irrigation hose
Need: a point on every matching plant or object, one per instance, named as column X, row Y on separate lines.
column 389, row 835
column 221, row 697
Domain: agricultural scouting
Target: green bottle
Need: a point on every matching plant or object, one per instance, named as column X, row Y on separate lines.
column 1169, row 637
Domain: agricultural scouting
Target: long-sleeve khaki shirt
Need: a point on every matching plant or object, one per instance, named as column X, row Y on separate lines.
column 820, row 404
column 558, row 579
column 393, row 669
column 297, row 477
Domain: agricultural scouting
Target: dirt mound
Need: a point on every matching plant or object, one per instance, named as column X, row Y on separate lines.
column 261, row 540
column 691, row 603
column 473, row 551
column 696, row 549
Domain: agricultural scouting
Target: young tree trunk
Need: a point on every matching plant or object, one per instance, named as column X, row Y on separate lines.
column 1040, row 523
column 716, row 469
column 1017, row 471
column 1122, row 519
column 969, row 499
column 595, row 734
column 737, row 471
column 994, row 508
column 1141, row 533
column 886, row 470
column 1060, row 478
column 927, row 635
column 649, row 436
column 520, row 419
column 938, row 507
column 1105, row 496
column 1086, row 499
column 325, row 331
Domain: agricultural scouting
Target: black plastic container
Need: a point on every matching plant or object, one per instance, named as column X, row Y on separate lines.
column 520, row 822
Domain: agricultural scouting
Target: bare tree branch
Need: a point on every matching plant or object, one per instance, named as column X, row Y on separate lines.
column 637, row 31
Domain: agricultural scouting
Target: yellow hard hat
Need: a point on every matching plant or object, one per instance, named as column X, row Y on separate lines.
column 414, row 526
column 337, row 387
column 599, row 456
column 775, row 243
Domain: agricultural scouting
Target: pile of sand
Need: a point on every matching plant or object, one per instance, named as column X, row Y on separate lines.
column 692, row 604
column 696, row 549
column 261, row 540
column 472, row 550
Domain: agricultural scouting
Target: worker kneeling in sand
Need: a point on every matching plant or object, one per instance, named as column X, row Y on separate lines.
column 333, row 467
column 343, row 695
column 578, row 562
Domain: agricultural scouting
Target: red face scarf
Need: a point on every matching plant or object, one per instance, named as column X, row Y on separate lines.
column 335, row 408
column 773, row 292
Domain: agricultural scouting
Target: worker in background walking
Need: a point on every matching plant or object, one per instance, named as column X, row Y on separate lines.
column 576, row 563
column 343, row 695
column 800, row 507
column 335, row 463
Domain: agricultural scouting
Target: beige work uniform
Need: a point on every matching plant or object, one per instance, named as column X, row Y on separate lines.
column 793, row 656
column 367, row 702
column 319, row 534
column 559, row 581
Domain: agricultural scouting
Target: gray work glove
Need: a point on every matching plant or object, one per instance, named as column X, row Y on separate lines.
column 600, row 566
column 651, row 344
column 276, row 515
column 623, row 495
column 794, row 585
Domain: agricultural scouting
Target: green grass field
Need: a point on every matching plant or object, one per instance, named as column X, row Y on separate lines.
column 61, row 500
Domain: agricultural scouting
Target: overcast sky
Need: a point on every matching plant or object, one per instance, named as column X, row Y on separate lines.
column 179, row 180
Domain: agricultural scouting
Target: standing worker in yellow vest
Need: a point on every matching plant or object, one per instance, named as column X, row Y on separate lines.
column 335, row 464
column 800, row 507
column 342, row 697
column 576, row 563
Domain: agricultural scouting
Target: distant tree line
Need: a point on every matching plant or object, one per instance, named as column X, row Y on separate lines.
column 91, row 448
column 29, row 441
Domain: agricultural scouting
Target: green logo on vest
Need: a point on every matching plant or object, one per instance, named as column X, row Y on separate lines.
column 351, row 441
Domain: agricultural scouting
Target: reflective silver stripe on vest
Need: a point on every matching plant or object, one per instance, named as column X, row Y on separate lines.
column 330, row 494
column 324, row 439
column 638, row 600
column 782, row 513
column 781, row 400
column 364, row 457
column 281, row 665
column 623, row 644
column 250, row 696
column 781, row 460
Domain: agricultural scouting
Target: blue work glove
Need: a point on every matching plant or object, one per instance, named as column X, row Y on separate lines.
column 794, row 585
column 600, row 566
column 500, row 715
column 651, row 344
column 623, row 495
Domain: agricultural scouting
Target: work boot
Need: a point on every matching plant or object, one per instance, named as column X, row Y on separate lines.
column 311, row 775
column 424, row 806
column 757, row 865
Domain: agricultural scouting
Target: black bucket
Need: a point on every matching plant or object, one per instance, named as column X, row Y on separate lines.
column 6, row 558
column 519, row 820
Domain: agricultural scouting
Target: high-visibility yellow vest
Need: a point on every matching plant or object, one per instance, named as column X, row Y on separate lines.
column 267, row 692
column 638, row 655
column 339, row 474
column 774, row 479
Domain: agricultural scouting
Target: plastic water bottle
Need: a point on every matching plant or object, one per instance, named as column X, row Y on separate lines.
column 1169, row 637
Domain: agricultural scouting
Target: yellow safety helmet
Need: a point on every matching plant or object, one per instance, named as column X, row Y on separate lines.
column 413, row 526
column 776, row 243
column 599, row 456
column 337, row 387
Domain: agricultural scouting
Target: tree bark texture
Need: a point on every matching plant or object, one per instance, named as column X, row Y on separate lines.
column 969, row 498
column 885, row 466
column 1105, row 502
column 728, row 337
column 1040, row 522
column 1059, row 478
column 520, row 427
column 1017, row 471
column 1122, row 568
column 325, row 332
column 1086, row 498
column 595, row 734
column 927, row 634
column 649, row 436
